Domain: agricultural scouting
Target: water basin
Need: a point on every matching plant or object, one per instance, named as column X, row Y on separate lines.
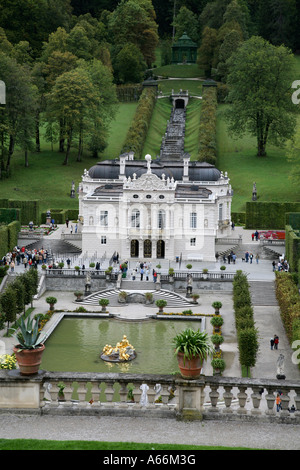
column 76, row 345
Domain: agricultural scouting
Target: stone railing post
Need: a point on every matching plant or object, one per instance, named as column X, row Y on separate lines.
column 191, row 398
column 256, row 399
column 242, row 397
column 228, row 396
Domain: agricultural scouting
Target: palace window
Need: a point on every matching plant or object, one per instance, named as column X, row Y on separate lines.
column 161, row 222
column 193, row 242
column 103, row 240
column 104, row 218
column 135, row 219
column 193, row 220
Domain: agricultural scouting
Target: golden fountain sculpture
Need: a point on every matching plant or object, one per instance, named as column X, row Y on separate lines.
column 123, row 351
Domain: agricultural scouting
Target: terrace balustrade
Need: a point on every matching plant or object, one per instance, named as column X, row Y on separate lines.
column 165, row 396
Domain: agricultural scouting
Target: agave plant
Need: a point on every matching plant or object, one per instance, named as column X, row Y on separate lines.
column 29, row 336
column 193, row 343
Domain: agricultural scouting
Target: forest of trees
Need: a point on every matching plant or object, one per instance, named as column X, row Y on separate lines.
column 61, row 60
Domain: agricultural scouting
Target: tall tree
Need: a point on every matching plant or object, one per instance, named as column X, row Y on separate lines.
column 133, row 21
column 260, row 93
column 17, row 116
column 206, row 57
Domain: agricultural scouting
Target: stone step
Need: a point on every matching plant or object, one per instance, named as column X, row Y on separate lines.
column 173, row 300
column 263, row 293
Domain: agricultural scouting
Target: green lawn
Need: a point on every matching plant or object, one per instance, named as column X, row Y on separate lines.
column 48, row 180
column 238, row 158
column 179, row 71
column 157, row 127
column 194, row 87
column 36, row 444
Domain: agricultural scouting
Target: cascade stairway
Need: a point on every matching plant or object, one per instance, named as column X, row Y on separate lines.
column 174, row 300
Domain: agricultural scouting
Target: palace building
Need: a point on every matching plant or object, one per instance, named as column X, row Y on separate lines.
column 151, row 209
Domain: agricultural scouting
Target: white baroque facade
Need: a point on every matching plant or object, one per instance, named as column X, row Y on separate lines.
column 149, row 209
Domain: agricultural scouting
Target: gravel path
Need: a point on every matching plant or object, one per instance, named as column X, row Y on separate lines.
column 236, row 434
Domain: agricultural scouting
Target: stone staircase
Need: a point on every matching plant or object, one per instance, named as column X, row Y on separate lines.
column 173, row 300
column 263, row 293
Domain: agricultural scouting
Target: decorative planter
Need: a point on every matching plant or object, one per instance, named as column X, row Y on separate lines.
column 189, row 368
column 29, row 360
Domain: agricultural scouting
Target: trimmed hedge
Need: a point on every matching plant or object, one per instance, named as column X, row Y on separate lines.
column 289, row 302
column 137, row 132
column 28, row 210
column 244, row 321
column 60, row 215
column 292, row 248
column 208, row 127
column 9, row 237
column 269, row 215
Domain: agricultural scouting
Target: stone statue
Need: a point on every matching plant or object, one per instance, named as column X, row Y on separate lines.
column 280, row 367
column 148, row 159
column 144, row 397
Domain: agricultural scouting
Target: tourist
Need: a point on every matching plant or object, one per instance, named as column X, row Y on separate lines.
column 257, row 258
column 142, row 273
column 68, row 262
column 147, row 274
column 256, row 234
column 251, row 257
column 233, row 257
column 154, row 275
column 276, row 342
column 247, row 256
column 272, row 343
column 12, row 266
column 278, row 402
column 67, row 223
column 274, row 266
column 133, row 274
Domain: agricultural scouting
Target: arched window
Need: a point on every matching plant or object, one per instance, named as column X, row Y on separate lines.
column 161, row 221
column 135, row 219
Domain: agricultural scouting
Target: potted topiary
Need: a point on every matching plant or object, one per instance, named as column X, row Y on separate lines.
column 29, row 347
column 103, row 303
column 108, row 272
column 217, row 339
column 222, row 269
column 217, row 321
column 217, row 305
column 149, row 297
column 205, row 273
column 189, row 266
column 51, row 301
column 171, row 274
column 195, row 297
column 192, row 348
column 77, row 269
column 78, row 295
column 161, row 303
column 122, row 297
column 218, row 365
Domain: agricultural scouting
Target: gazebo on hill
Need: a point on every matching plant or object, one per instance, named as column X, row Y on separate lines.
column 184, row 51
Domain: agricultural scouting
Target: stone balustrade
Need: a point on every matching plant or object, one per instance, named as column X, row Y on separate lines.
column 160, row 396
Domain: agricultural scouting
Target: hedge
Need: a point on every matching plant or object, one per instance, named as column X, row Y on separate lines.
column 9, row 215
column 244, row 321
column 208, row 127
column 9, row 237
column 269, row 215
column 60, row 215
column 292, row 248
column 137, row 133
column 28, row 210
column 289, row 303
column 128, row 93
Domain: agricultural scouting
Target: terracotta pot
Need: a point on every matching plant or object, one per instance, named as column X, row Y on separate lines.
column 189, row 368
column 29, row 360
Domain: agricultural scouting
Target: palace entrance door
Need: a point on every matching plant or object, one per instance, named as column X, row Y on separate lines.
column 160, row 249
column 147, row 249
column 134, row 248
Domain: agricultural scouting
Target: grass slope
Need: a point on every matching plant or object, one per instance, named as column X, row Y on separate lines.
column 270, row 173
column 48, row 180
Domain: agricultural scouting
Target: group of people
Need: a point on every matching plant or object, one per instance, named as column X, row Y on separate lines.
column 282, row 265
column 274, row 342
column 25, row 257
column 144, row 270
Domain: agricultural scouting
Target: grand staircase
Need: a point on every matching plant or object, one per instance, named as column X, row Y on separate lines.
column 173, row 300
